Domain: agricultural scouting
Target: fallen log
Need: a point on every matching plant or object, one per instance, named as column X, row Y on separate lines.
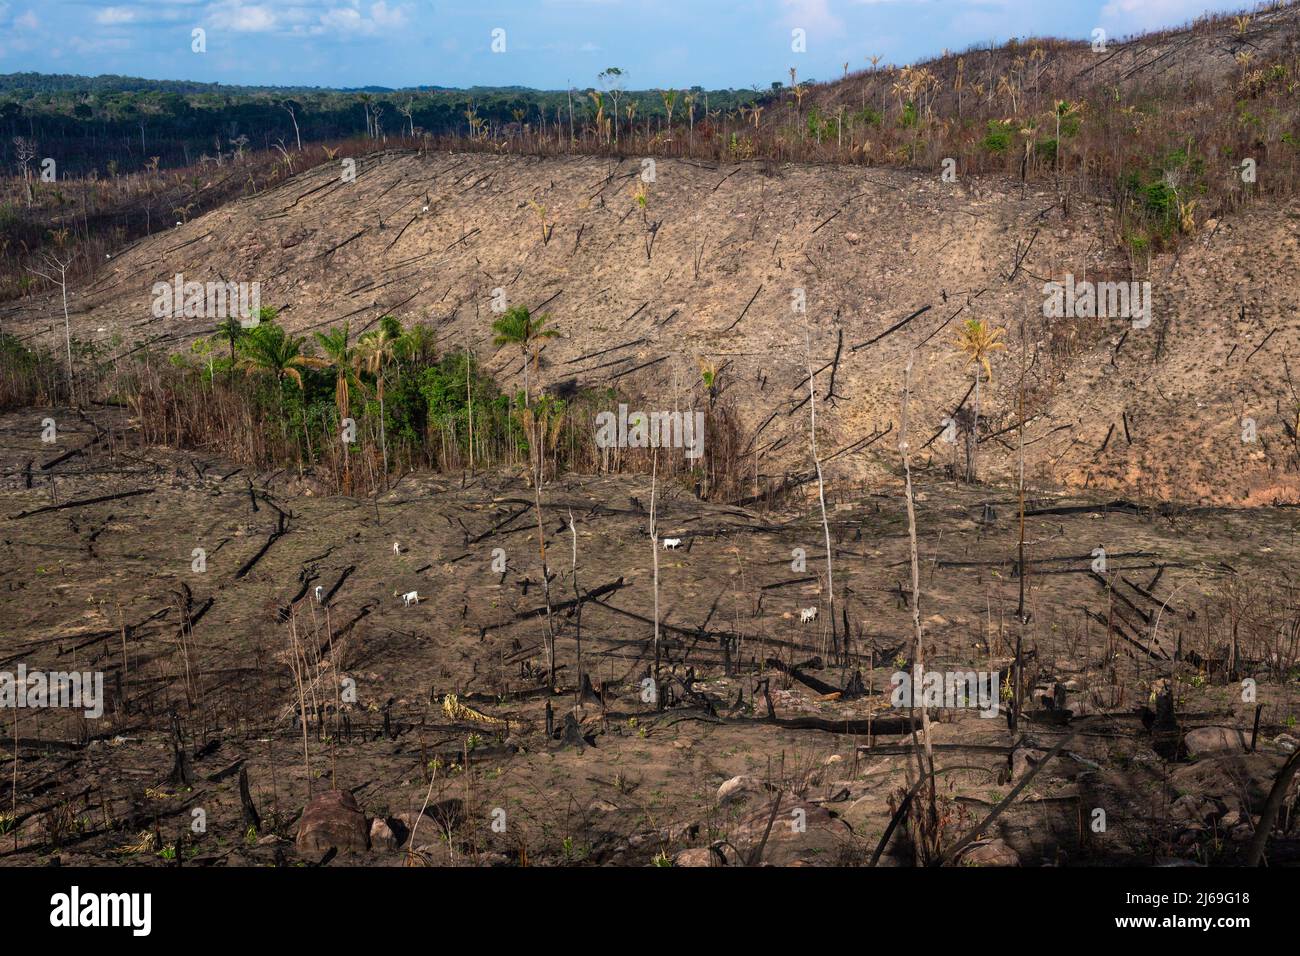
column 564, row 606
column 335, row 248
column 80, row 503
column 274, row 537
column 983, row 825
column 820, row 686
column 1109, row 588
column 745, row 309
column 893, row 328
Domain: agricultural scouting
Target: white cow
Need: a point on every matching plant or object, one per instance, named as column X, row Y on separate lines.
column 409, row 598
column 320, row 594
column 807, row 614
column 671, row 544
column 397, row 548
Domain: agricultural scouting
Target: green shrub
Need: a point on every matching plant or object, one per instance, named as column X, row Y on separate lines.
column 869, row 117
column 998, row 138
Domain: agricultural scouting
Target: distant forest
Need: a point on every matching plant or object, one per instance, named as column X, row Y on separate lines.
column 117, row 124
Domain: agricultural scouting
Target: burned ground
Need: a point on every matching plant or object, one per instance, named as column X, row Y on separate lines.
column 96, row 558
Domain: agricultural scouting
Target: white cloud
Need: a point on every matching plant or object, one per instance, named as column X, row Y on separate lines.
column 242, row 18
column 382, row 19
column 112, row 16
column 309, row 18
column 812, row 15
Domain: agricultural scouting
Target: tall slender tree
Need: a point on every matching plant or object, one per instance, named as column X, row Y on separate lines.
column 339, row 355
column 373, row 354
column 518, row 327
column 978, row 341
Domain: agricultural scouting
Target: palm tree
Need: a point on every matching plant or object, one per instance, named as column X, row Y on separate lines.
column 418, row 345
column 233, row 333
column 269, row 349
column 518, row 327
column 670, row 101
column 373, row 354
column 978, row 341
column 340, row 357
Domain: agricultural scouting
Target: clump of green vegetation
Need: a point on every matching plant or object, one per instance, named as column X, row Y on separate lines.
column 999, row 136
column 869, row 117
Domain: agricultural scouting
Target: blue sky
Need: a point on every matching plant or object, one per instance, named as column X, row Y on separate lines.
column 548, row 43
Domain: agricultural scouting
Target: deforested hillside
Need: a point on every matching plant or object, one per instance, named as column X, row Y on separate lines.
column 648, row 282
column 894, row 471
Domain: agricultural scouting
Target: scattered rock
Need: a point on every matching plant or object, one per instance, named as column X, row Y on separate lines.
column 737, row 788
column 700, row 856
column 803, row 833
column 444, row 815
column 1205, row 740
column 382, row 835
column 332, row 819
column 1194, row 809
column 992, row 853
column 680, row 833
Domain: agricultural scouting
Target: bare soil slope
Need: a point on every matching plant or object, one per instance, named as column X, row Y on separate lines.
column 1154, row 411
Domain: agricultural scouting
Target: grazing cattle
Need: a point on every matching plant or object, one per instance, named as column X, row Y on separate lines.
column 807, row 614
column 409, row 598
column 320, row 594
column 671, row 544
column 397, row 548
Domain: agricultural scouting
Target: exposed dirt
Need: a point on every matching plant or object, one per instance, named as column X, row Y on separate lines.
column 635, row 780
column 1154, row 412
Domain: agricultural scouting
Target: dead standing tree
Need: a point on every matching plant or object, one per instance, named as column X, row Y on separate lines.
column 817, row 464
column 654, row 552
column 536, row 427
column 577, row 598
column 54, row 265
column 928, row 828
column 25, row 152
column 977, row 341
